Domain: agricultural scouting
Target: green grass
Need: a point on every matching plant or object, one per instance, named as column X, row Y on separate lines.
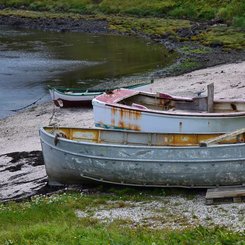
column 224, row 36
column 229, row 38
column 53, row 220
column 226, row 10
column 193, row 50
column 223, row 9
column 148, row 26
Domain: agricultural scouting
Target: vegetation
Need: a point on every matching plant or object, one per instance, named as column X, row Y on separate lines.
column 53, row 220
column 232, row 11
column 229, row 38
column 156, row 18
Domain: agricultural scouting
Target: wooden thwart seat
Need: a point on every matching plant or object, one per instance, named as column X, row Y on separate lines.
column 223, row 137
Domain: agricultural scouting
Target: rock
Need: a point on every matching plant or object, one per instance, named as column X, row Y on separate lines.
column 22, row 175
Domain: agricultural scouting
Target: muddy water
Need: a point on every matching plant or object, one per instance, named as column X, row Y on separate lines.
column 30, row 60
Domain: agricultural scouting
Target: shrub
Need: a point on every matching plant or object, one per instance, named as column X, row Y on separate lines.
column 239, row 22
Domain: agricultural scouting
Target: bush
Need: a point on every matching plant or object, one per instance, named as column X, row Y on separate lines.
column 183, row 12
column 239, row 22
column 207, row 13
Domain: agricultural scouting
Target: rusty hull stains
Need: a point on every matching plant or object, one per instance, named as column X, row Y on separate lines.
column 122, row 124
column 125, row 115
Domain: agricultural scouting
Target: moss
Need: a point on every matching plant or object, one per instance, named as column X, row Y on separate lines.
column 193, row 50
column 148, row 26
column 226, row 37
column 188, row 65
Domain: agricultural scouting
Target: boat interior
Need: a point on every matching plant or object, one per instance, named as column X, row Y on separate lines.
column 105, row 136
column 79, row 91
column 165, row 102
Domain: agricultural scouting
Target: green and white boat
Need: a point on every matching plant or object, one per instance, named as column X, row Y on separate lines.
column 76, row 97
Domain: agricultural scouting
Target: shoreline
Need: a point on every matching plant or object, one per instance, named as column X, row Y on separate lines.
column 192, row 54
column 20, row 131
column 22, row 170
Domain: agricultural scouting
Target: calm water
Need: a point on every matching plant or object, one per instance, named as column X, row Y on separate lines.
column 30, row 60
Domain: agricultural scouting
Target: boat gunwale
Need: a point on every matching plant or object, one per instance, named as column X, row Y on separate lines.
column 145, row 146
column 171, row 113
column 92, row 92
column 116, row 104
column 80, row 94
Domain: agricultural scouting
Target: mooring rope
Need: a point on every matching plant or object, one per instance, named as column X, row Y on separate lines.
column 52, row 117
column 33, row 103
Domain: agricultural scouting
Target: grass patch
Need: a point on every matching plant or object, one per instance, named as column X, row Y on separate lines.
column 222, row 36
column 226, row 37
column 188, row 64
column 123, row 24
column 43, row 14
column 52, row 220
column 209, row 9
column 148, row 26
column 192, row 50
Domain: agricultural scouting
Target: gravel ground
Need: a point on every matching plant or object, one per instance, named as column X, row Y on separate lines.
column 177, row 212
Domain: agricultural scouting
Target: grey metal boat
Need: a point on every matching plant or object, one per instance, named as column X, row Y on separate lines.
column 80, row 155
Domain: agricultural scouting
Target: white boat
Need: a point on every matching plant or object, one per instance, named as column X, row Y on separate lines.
column 158, row 112
column 76, row 97
column 82, row 156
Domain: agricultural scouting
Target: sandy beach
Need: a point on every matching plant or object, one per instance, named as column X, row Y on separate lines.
column 19, row 133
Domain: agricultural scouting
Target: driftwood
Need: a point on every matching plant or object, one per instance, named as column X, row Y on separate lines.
column 222, row 137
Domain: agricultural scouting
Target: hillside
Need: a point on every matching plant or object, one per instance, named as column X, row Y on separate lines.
column 230, row 11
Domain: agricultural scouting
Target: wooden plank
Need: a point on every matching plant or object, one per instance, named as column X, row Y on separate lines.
column 222, row 137
column 224, row 192
column 234, row 194
column 209, row 201
column 237, row 199
column 210, row 97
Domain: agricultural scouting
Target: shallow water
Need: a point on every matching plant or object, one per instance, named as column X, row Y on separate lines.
column 30, row 60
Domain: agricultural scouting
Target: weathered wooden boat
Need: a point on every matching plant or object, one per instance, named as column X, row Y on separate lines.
column 75, row 97
column 80, row 156
column 157, row 112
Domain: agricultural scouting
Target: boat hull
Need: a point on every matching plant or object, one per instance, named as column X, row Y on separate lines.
column 70, row 162
column 68, row 103
column 77, row 98
column 66, row 100
column 122, row 117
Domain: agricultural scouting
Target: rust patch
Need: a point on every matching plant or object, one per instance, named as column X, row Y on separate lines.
column 113, row 122
column 113, row 111
column 121, row 113
column 124, row 113
column 161, row 102
column 134, row 127
column 122, row 124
